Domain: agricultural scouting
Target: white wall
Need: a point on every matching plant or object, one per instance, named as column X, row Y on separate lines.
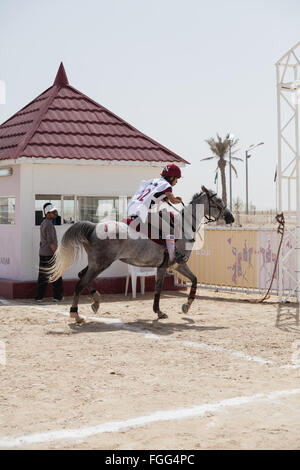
column 89, row 180
column 67, row 179
column 27, row 220
column 10, row 235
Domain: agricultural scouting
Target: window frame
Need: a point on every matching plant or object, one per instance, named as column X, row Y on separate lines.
column 10, row 197
column 76, row 196
column 101, row 198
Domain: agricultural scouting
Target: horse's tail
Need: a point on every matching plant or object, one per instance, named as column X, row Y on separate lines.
column 77, row 236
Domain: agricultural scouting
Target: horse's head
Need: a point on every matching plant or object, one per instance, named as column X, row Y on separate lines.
column 215, row 208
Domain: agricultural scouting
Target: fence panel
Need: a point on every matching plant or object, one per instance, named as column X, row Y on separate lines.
column 241, row 259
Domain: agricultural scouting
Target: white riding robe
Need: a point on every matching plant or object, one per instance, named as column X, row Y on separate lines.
column 140, row 203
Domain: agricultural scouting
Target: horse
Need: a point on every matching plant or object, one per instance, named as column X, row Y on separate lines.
column 143, row 252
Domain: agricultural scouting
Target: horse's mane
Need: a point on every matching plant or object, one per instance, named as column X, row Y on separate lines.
column 196, row 196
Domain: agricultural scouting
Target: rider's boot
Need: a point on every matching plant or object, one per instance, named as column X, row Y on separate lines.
column 180, row 258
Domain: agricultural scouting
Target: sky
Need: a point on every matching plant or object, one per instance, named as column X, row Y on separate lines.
column 179, row 71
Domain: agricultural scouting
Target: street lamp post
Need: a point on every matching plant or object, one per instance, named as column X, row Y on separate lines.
column 247, row 156
column 230, row 138
column 246, row 160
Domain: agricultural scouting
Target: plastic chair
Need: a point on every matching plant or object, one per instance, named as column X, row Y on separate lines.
column 133, row 273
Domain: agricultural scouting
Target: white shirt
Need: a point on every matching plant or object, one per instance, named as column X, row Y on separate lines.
column 140, row 202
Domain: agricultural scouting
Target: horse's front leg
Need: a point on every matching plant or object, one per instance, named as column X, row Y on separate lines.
column 185, row 270
column 74, row 309
column 158, row 287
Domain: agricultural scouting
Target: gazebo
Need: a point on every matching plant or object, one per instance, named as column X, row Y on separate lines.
column 65, row 148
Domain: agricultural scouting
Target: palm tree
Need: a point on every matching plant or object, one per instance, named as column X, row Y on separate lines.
column 238, row 204
column 220, row 149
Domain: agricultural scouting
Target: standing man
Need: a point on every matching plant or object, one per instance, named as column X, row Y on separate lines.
column 48, row 246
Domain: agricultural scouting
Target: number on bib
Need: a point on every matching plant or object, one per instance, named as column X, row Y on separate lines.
column 143, row 195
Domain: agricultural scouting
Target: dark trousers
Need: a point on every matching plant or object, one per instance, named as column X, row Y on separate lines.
column 43, row 281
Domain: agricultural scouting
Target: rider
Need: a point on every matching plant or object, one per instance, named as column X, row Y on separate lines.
column 149, row 195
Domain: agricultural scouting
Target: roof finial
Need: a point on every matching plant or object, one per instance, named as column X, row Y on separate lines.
column 61, row 78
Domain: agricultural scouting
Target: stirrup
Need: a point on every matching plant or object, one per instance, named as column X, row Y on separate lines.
column 180, row 258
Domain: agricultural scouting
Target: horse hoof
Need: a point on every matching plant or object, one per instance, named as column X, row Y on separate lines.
column 161, row 315
column 185, row 308
column 95, row 307
column 77, row 318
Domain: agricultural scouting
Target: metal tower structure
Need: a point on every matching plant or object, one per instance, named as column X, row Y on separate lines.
column 288, row 169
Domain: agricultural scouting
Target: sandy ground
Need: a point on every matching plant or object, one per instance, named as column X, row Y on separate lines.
column 60, row 377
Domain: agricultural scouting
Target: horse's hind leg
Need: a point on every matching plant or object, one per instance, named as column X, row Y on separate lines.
column 96, row 298
column 185, row 270
column 93, row 292
column 158, row 287
column 83, row 272
column 87, row 275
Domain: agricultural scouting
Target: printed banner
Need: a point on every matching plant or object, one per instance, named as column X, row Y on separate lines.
column 242, row 259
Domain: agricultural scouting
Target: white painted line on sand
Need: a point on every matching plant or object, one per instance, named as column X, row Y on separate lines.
column 149, row 335
column 290, row 366
column 237, row 354
column 110, row 321
column 164, row 415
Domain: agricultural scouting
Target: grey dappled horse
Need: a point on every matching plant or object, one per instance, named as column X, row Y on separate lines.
column 137, row 252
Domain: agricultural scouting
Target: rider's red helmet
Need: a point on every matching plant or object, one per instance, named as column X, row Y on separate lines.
column 171, row 170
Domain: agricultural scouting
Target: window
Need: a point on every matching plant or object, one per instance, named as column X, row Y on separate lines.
column 100, row 209
column 68, row 209
column 41, row 200
column 6, row 171
column 90, row 208
column 7, row 210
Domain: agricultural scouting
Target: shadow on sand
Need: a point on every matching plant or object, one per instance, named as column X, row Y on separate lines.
column 287, row 318
column 142, row 326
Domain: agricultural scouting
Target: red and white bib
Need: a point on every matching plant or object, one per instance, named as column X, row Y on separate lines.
column 140, row 202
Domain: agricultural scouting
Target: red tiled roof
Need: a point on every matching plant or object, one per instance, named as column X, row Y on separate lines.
column 64, row 123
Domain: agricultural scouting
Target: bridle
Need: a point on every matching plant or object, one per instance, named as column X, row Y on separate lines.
column 214, row 204
column 194, row 229
column 209, row 218
column 211, row 204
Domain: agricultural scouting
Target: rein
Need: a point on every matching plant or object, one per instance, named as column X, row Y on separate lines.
column 173, row 207
column 211, row 204
column 180, row 212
